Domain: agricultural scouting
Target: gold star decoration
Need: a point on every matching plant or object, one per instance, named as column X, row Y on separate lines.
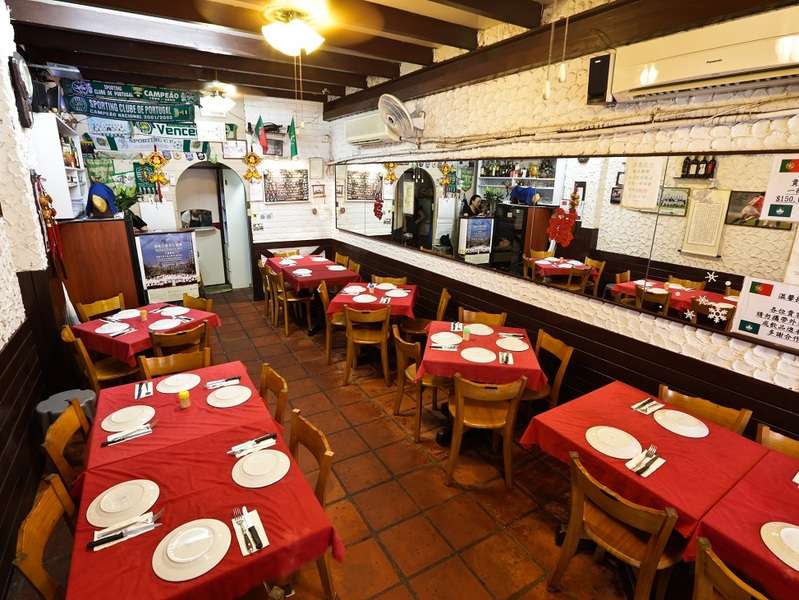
column 390, row 176
column 252, row 160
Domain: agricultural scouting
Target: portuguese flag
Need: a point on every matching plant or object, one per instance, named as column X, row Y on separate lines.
column 764, row 289
column 789, row 165
column 260, row 133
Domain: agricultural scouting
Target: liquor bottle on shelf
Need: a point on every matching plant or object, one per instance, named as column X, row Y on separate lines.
column 686, row 166
column 694, row 168
column 710, row 171
column 701, row 170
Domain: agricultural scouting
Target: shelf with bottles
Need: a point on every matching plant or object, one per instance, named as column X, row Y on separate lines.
column 694, row 167
column 517, row 169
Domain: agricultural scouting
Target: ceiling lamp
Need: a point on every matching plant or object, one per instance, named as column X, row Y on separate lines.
column 291, row 25
column 216, row 101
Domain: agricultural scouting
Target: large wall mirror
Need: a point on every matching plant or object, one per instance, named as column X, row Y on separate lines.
column 670, row 235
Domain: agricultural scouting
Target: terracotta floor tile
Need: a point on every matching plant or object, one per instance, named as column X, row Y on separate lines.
column 266, row 341
column 450, row 580
column 536, row 532
column 462, row 521
column 366, row 571
column 398, row 593
column 346, row 444
column 376, row 386
column 331, row 379
column 347, row 521
column 233, row 345
column 334, row 490
column 302, row 387
column 414, row 544
column 385, row 504
column 585, row 578
column 471, row 470
column 426, row 486
column 307, row 354
column 297, row 344
column 281, row 361
column 407, row 405
column 346, row 395
column 292, row 372
column 503, row 505
column 502, row 564
column 361, row 412
column 381, row 432
column 361, row 472
column 311, row 404
column 330, row 421
column 403, row 456
column 542, row 481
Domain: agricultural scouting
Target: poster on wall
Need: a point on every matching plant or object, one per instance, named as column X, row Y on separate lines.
column 146, row 129
column 643, row 176
column 129, row 111
column 408, row 194
column 286, row 185
column 111, row 143
column 674, row 201
column 745, row 208
column 363, row 185
column 123, row 91
column 474, row 240
column 169, row 265
column 782, row 194
column 706, row 215
column 101, row 126
column 769, row 310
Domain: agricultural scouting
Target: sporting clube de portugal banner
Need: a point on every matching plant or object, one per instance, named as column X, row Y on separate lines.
column 769, row 311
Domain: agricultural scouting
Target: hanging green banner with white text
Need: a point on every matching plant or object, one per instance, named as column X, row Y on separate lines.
column 124, row 91
column 130, row 111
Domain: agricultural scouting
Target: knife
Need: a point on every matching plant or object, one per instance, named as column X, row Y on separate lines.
column 251, row 528
column 144, row 519
column 129, row 435
column 640, row 406
column 123, row 332
column 647, row 465
column 248, row 443
column 220, row 382
column 137, row 391
column 122, row 534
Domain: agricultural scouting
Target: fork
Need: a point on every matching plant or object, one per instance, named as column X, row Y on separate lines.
column 238, row 517
column 650, row 452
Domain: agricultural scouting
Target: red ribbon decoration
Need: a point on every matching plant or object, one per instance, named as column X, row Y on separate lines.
column 561, row 226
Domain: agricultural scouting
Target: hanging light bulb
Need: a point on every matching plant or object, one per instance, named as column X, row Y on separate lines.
column 548, row 83
column 562, row 66
column 291, row 25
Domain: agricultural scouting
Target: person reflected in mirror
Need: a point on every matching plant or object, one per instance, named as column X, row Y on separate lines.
column 474, row 207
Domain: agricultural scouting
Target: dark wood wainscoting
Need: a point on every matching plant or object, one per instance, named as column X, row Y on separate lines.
column 601, row 356
column 262, row 248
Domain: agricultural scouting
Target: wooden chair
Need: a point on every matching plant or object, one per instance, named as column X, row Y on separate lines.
column 599, row 265
column 731, row 291
column 286, row 253
column 58, row 437
column 331, row 321
column 267, row 289
column 696, row 285
column 100, row 372
column 174, row 363
column 563, row 352
column 701, row 314
column 485, row 406
column 777, row 441
column 303, row 432
column 409, row 355
column 658, row 302
column 395, row 280
column 528, row 263
column 206, row 304
column 730, row 418
column 576, row 281
column 52, row 503
column 285, row 297
column 354, row 267
column 274, row 382
column 188, row 340
column 473, row 316
column 361, row 332
column 418, row 327
column 622, row 277
column 636, row 535
column 87, row 312
column 713, row 579
column 342, row 259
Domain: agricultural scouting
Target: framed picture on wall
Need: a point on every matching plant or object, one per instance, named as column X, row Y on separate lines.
column 615, row 194
column 620, row 178
column 234, row 149
column 744, row 209
column 673, row 201
column 274, row 147
column 318, row 190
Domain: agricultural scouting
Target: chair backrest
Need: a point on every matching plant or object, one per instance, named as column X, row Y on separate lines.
column 354, row 266
column 578, row 277
column 342, row 259
column 174, row 363
column 51, row 504
column 88, row 311
column 713, row 578
column 188, row 340
column 276, row 282
column 266, row 287
column 58, row 436
column 473, row 316
column 644, row 298
column 82, row 359
column 730, row 418
column 599, row 265
column 407, row 352
column 623, row 277
column 324, row 296
column 777, row 441
column 560, row 350
column 305, row 433
column 394, row 280
column 443, row 302
column 731, row 291
column 689, row 283
column 206, row 304
column 704, row 311
column 274, row 382
column 470, row 394
column 285, row 253
column 539, row 254
column 357, row 319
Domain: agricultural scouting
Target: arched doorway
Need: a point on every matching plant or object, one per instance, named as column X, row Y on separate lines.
column 415, row 207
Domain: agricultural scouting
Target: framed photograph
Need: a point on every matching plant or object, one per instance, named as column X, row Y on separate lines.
column 673, row 201
column 318, row 190
column 274, row 147
column 579, row 187
column 615, row 194
column 339, row 190
column 744, row 209
column 234, row 149
column 620, row 178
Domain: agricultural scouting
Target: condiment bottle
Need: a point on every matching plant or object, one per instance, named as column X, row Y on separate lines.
column 183, row 399
column 143, row 314
column 465, row 334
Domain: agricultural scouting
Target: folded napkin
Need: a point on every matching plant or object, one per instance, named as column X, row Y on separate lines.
column 131, row 434
column 649, row 408
column 506, row 358
column 511, row 335
column 255, row 519
column 218, row 383
column 255, row 448
column 456, row 326
column 123, row 332
column 133, row 521
column 142, row 389
column 442, row 347
column 639, row 461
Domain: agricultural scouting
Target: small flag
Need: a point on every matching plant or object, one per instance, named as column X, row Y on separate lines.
column 789, row 165
column 749, row 327
column 260, row 133
column 780, row 210
column 764, row 289
column 293, row 138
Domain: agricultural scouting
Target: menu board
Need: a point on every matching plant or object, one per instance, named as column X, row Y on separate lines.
column 286, row 185
column 363, row 185
column 643, row 176
column 782, row 195
column 169, row 265
column 769, row 310
column 706, row 215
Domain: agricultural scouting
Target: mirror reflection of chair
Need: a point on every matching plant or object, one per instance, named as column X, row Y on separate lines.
column 275, row 384
column 622, row 277
column 474, row 316
column 188, row 340
column 336, row 320
column 362, row 330
column 59, row 441
column 98, row 308
column 395, row 280
column 688, row 283
column 576, row 281
column 702, row 314
column 776, row 441
column 285, row 253
column 206, row 304
column 657, row 302
column 713, row 579
column 733, row 419
column 98, row 373
column 731, row 291
column 354, row 266
column 267, row 290
column 174, row 363
column 418, row 327
column 342, row 259
column 562, row 352
column 594, row 279
column 528, row 263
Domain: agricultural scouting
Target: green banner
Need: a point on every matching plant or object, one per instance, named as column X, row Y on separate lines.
column 124, row 91
column 130, row 111
column 143, row 183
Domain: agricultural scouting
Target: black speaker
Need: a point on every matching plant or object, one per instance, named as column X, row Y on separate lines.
column 600, row 70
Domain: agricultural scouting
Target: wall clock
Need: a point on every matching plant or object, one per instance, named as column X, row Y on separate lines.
column 23, row 88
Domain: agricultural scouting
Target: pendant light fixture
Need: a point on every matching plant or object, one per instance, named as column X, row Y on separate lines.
column 291, row 27
column 216, row 101
column 562, row 66
column 548, row 83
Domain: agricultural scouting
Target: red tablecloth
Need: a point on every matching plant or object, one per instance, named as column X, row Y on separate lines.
column 765, row 494
column 551, row 269
column 445, row 363
column 400, row 307
column 319, row 273
column 680, row 299
column 126, row 347
column 697, row 472
column 195, row 481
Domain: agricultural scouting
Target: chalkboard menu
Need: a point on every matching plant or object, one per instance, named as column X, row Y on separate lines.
column 286, row 185
column 363, row 185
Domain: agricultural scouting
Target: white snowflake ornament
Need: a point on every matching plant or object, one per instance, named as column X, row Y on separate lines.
column 711, row 276
column 689, row 314
column 716, row 314
column 703, row 300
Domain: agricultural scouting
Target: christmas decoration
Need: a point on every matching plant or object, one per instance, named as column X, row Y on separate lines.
column 703, row 300
column 445, row 171
column 48, row 216
column 716, row 314
column 689, row 314
column 711, row 276
column 252, row 160
column 561, row 226
column 157, row 161
column 378, row 205
column 390, row 176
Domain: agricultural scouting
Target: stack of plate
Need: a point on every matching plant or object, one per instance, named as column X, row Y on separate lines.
column 364, row 299
column 129, row 313
column 478, row 355
column 613, row 442
column 127, row 418
column 164, row 324
column 111, row 328
column 302, row 272
column 783, row 540
column 229, row 396
column 174, row 311
column 397, row 293
column 564, row 265
column 261, row 468
column 191, row 550
column 479, row 329
column 681, row 423
column 336, row 268
column 122, row 502
column 178, row 383
column 446, row 338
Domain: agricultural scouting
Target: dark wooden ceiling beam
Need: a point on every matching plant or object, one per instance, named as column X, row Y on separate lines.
column 75, row 17
column 523, row 13
column 59, row 39
column 609, row 26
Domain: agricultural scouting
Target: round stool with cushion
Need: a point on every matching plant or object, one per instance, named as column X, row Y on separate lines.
column 49, row 410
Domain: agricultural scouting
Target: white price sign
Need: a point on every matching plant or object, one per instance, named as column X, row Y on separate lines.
column 769, row 310
column 782, row 195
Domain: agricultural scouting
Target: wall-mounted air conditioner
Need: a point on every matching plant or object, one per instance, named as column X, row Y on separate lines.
column 368, row 129
column 756, row 51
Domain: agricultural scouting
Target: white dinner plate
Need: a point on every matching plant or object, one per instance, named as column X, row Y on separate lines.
column 191, row 550
column 178, row 383
column 613, row 442
column 261, row 468
column 111, row 328
column 336, row 268
column 128, row 313
column 564, row 265
column 639, row 281
column 353, row 289
column 398, row 293
column 287, row 263
column 229, row 396
column 122, row 501
column 576, row 262
column 478, row 355
column 681, row 423
column 129, row 417
column 783, row 540
column 675, row 286
column 164, row 324
column 318, row 259
column 479, row 329
column 513, row 344
column 542, row 262
column 174, row 311
column 385, row 286
column 446, row 338
column 302, row 271
column 364, row 299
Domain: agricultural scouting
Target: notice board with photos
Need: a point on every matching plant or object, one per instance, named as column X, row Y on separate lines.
column 286, row 185
column 769, row 311
column 169, row 264
column 363, row 184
